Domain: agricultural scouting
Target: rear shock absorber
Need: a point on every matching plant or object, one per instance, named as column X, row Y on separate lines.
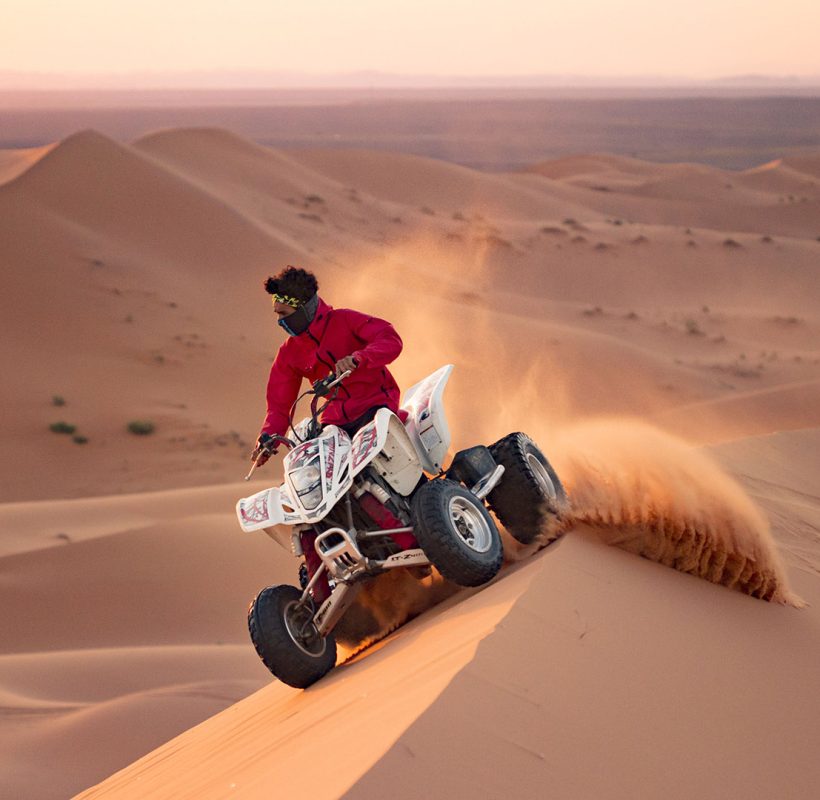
column 373, row 499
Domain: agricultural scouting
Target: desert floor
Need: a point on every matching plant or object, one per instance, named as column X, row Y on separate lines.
column 655, row 327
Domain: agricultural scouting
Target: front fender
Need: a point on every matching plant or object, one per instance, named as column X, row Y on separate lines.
column 261, row 510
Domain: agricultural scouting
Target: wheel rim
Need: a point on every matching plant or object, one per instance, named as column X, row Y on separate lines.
column 470, row 525
column 302, row 630
column 541, row 476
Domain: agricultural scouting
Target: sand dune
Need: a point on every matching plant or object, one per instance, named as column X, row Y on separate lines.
column 539, row 709
column 779, row 197
column 414, row 181
column 123, row 623
column 16, row 162
column 607, row 306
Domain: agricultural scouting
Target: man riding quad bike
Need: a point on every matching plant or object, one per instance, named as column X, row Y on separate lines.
column 363, row 498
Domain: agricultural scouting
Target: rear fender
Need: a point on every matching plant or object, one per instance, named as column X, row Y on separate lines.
column 398, row 462
column 427, row 421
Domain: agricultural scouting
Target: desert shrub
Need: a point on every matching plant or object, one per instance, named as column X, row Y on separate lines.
column 58, row 400
column 497, row 241
column 140, row 427
column 692, row 327
column 62, row 427
column 80, row 439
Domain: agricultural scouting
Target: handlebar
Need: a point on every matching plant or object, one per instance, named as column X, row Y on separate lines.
column 320, row 388
column 323, row 386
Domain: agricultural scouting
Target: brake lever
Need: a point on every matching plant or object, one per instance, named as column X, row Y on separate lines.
column 255, row 465
column 276, row 440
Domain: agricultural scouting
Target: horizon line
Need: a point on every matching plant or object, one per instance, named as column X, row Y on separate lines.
column 283, row 80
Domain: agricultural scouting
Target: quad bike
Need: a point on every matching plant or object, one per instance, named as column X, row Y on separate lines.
column 354, row 508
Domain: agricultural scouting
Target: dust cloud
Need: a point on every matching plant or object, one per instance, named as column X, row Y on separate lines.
column 651, row 494
column 386, row 603
column 640, row 488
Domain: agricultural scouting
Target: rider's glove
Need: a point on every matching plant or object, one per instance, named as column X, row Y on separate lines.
column 345, row 364
column 264, row 449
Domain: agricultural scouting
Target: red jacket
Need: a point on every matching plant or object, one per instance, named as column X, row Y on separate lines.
column 334, row 334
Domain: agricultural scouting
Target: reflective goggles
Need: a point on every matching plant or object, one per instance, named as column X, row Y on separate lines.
column 288, row 301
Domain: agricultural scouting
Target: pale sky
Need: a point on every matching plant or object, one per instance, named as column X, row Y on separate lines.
column 697, row 39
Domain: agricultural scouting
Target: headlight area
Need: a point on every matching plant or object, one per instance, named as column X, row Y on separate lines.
column 307, row 481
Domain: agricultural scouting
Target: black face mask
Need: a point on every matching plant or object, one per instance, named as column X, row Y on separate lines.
column 299, row 321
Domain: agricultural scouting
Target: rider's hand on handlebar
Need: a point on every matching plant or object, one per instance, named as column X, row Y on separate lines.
column 265, row 448
column 345, row 364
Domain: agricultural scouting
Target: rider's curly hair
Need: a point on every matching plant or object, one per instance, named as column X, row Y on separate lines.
column 294, row 282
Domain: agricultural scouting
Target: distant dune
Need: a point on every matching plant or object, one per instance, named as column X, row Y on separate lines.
column 654, row 327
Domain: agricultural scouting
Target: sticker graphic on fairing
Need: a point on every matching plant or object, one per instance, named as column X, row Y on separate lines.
column 368, row 438
column 330, row 457
column 256, row 509
column 302, row 454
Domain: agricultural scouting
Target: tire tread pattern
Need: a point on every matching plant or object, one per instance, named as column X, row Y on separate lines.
column 274, row 645
column 517, row 500
column 448, row 554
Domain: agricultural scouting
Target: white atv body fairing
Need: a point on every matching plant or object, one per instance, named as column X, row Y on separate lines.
column 319, row 472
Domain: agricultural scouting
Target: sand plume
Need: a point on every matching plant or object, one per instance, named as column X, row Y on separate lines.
column 649, row 493
column 386, row 603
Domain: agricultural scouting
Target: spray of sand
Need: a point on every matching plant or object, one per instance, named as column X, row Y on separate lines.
column 640, row 488
column 651, row 494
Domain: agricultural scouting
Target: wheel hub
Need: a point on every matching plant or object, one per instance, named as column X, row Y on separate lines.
column 470, row 525
column 541, row 476
column 300, row 627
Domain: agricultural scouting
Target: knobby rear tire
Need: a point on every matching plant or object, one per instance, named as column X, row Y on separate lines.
column 530, row 499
